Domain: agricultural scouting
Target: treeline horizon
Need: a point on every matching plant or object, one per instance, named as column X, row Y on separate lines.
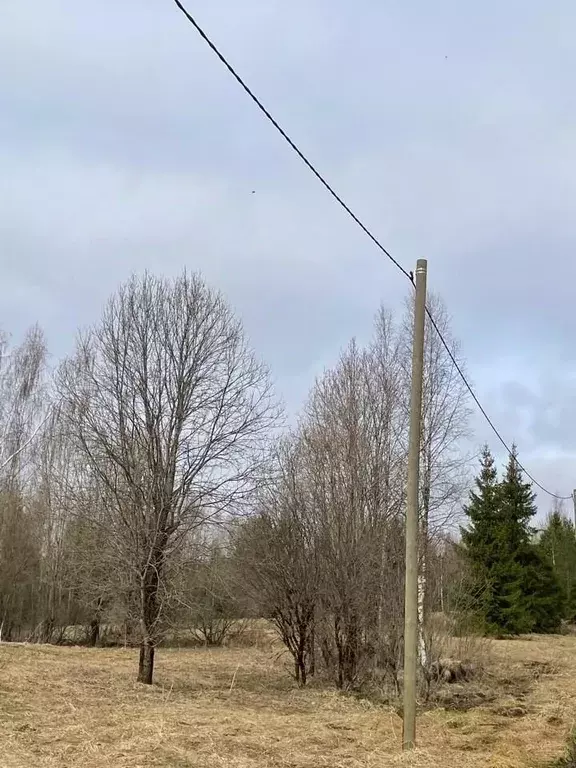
column 151, row 485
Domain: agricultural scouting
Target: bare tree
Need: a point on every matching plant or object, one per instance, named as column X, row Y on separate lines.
column 22, row 398
column 278, row 559
column 47, row 501
column 19, row 566
column 22, row 412
column 348, row 498
column 205, row 591
column 387, row 392
column 170, row 409
column 444, row 464
column 91, row 564
column 446, row 424
column 353, row 472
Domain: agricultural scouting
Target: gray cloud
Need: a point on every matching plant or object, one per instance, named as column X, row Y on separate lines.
column 125, row 146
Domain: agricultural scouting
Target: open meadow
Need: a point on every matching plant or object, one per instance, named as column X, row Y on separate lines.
column 81, row 708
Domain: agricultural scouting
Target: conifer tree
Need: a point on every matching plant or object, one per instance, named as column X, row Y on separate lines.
column 495, row 574
column 557, row 546
column 541, row 604
column 520, row 592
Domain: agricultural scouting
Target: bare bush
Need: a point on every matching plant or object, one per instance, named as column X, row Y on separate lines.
column 206, row 593
column 277, row 555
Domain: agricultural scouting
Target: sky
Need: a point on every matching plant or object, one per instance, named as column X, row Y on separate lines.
column 449, row 127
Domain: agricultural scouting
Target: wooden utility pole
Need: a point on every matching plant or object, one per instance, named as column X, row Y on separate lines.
column 574, row 502
column 411, row 588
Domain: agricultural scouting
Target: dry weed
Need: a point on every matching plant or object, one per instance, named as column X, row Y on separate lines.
column 72, row 708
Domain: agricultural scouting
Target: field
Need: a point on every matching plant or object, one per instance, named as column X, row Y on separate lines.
column 73, row 707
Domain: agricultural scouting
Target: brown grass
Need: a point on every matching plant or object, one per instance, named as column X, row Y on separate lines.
column 72, row 708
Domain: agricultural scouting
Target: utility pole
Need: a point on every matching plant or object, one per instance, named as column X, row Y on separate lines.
column 411, row 588
column 574, row 502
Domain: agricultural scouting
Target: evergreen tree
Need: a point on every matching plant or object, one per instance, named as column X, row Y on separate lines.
column 488, row 545
column 543, row 599
column 517, row 503
column 479, row 539
column 541, row 604
column 520, row 592
column 557, row 546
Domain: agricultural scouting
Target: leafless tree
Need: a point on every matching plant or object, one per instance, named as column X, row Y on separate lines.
column 206, row 590
column 277, row 556
column 348, row 488
column 446, row 424
column 354, row 470
column 387, row 392
column 160, row 438
column 91, row 565
column 19, row 566
column 444, row 463
column 22, row 413
column 22, row 398
column 170, row 409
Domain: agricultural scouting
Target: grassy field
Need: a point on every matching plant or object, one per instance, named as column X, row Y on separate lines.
column 72, row 708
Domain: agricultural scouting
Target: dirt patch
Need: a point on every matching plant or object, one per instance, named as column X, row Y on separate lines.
column 462, row 698
column 511, row 684
column 516, row 711
column 554, row 720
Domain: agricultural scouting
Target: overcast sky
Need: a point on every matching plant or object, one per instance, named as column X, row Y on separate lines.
column 449, row 127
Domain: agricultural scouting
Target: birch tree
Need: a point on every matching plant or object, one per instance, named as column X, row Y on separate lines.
column 22, row 413
column 444, row 464
column 355, row 473
column 22, row 398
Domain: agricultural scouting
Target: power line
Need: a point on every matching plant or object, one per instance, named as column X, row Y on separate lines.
column 356, row 219
column 287, row 138
column 484, row 413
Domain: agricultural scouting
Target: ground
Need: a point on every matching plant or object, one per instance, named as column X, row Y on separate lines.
column 73, row 707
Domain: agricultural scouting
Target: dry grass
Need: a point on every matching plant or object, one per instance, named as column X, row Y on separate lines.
column 71, row 707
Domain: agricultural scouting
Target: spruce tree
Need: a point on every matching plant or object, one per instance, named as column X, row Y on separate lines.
column 541, row 601
column 489, row 544
column 520, row 592
column 517, row 503
column 479, row 539
column 557, row 546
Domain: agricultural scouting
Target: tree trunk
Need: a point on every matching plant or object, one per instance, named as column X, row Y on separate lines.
column 312, row 651
column 303, row 677
column 422, row 586
column 340, row 654
column 94, row 634
column 48, row 627
column 422, row 653
column 146, row 664
column 442, row 608
column 297, row 671
column 46, row 631
column 148, row 621
column 301, row 657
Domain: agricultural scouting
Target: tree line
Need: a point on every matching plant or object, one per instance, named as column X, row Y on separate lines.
column 150, row 485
